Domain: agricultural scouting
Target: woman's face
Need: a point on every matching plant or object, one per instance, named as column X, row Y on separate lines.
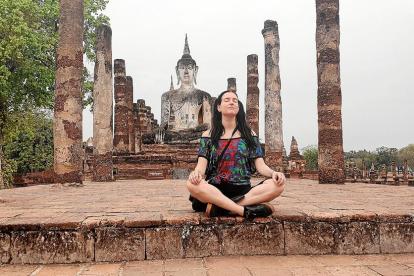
column 229, row 104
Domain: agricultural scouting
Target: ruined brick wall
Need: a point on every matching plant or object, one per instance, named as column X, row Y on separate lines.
column 253, row 93
column 273, row 101
column 166, row 158
column 121, row 136
column 103, row 107
column 331, row 156
column 68, row 94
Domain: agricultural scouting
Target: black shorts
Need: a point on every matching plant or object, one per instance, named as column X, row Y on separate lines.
column 231, row 190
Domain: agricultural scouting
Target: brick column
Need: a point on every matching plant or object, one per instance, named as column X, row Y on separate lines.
column 121, row 137
column 149, row 120
column 142, row 115
column 102, row 107
column 331, row 156
column 273, row 101
column 364, row 170
column 68, row 152
column 253, row 93
column 231, row 85
column 137, row 130
column 393, row 169
column 130, row 102
column 405, row 170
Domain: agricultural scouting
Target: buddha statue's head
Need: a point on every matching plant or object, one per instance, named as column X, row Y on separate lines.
column 186, row 68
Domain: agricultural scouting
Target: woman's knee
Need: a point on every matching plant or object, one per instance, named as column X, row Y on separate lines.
column 276, row 190
column 193, row 188
column 279, row 190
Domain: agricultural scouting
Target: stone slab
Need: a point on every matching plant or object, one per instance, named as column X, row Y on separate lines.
column 164, row 243
column 358, row 238
column 4, row 248
column 204, row 241
column 310, row 238
column 48, row 247
column 253, row 239
column 119, row 244
column 397, row 237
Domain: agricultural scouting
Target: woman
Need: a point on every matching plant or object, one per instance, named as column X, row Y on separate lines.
column 227, row 186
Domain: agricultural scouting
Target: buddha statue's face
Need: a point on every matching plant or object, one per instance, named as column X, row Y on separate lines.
column 186, row 73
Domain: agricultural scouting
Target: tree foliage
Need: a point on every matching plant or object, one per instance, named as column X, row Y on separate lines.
column 407, row 153
column 29, row 140
column 310, row 153
column 28, row 46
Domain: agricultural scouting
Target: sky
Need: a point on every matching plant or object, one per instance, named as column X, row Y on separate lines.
column 376, row 52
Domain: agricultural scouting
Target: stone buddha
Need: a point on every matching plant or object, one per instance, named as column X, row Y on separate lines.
column 186, row 107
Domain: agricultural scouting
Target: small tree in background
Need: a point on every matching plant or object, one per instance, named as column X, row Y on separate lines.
column 310, row 153
column 406, row 153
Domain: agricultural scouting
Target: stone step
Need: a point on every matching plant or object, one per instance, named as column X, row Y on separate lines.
column 151, row 220
column 154, row 236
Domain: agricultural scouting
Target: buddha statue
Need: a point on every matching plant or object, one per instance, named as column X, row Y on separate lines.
column 186, row 107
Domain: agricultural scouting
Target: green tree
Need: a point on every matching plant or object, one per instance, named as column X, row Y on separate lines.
column 310, row 153
column 29, row 140
column 28, row 46
column 386, row 156
column 407, row 153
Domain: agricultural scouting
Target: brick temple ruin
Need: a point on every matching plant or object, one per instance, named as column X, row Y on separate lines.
column 395, row 177
column 141, row 143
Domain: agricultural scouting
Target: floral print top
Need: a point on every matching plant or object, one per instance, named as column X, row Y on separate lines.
column 237, row 164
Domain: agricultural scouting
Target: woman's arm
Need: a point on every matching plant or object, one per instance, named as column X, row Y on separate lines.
column 201, row 165
column 197, row 175
column 263, row 169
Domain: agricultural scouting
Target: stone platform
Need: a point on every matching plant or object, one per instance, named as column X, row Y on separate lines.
column 136, row 220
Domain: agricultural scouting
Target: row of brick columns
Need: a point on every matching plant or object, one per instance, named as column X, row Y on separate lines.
column 132, row 120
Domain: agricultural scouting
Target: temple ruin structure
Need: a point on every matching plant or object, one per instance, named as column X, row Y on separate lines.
column 68, row 152
column 294, row 151
column 103, row 107
column 253, row 93
column 273, row 101
column 330, row 147
column 296, row 162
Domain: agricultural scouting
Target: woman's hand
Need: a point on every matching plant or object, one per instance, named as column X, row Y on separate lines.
column 195, row 177
column 279, row 178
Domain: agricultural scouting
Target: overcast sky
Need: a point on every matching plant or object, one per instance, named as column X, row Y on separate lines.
column 376, row 49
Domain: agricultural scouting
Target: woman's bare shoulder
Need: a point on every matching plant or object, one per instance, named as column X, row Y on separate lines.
column 206, row 133
column 254, row 133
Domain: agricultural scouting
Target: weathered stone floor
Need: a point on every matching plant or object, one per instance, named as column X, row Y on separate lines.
column 326, row 265
column 136, row 220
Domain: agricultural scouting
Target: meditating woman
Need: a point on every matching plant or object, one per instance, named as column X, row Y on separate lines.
column 229, row 154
